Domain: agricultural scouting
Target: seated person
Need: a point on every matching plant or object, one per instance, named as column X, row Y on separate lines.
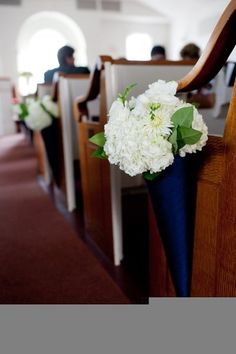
column 158, row 53
column 204, row 97
column 66, row 61
column 190, row 51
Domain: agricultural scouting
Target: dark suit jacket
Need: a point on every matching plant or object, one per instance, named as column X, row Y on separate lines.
column 48, row 75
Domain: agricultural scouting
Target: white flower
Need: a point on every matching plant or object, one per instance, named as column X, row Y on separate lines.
column 118, row 111
column 163, row 92
column 135, row 144
column 37, row 118
column 162, row 87
column 140, row 109
column 137, row 131
column 50, row 106
column 132, row 103
column 161, row 124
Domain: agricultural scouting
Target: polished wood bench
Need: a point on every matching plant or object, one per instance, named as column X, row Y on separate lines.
column 214, row 256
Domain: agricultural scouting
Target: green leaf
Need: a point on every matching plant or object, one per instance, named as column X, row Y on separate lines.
column 188, row 135
column 183, row 117
column 100, row 153
column 180, row 141
column 98, row 139
column 24, row 111
column 173, row 140
column 123, row 95
column 150, row 176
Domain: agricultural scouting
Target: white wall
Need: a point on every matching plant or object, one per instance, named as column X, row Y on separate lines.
column 104, row 34
column 191, row 21
column 115, row 39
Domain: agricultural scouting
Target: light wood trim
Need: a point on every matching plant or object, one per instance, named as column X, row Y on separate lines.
column 107, row 58
column 80, row 103
column 218, row 49
column 93, row 90
column 74, row 76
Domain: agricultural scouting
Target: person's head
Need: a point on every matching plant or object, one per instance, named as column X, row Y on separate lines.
column 65, row 56
column 190, row 51
column 158, row 53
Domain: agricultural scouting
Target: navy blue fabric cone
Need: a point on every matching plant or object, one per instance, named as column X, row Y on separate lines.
column 173, row 195
column 51, row 140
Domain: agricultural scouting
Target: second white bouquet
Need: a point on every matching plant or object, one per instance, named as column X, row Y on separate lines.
column 40, row 113
column 144, row 134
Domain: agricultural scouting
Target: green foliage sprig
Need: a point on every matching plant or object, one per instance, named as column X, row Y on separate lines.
column 99, row 140
column 124, row 95
column 182, row 132
column 23, row 111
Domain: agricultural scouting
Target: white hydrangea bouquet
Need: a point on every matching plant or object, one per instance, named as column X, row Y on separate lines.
column 144, row 134
column 38, row 114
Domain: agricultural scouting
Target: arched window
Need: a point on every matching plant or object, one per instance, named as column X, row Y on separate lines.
column 39, row 40
column 39, row 56
column 138, row 46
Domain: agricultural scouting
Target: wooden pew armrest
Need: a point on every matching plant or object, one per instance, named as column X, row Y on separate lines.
column 80, row 108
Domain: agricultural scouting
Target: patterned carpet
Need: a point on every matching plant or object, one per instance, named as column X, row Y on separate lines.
column 42, row 260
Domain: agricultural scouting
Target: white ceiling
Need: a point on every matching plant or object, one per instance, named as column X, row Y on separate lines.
column 192, row 8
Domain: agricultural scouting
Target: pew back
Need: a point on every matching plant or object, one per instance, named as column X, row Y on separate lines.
column 71, row 86
column 44, row 90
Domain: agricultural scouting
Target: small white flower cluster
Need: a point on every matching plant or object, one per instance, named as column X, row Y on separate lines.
column 50, row 106
column 137, row 131
column 40, row 113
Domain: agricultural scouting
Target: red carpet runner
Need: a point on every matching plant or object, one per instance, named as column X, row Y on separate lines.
column 42, row 261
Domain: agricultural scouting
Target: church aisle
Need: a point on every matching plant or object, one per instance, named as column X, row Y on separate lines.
column 42, row 261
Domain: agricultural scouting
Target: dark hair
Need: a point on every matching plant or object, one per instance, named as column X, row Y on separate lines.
column 191, row 51
column 64, row 53
column 158, row 49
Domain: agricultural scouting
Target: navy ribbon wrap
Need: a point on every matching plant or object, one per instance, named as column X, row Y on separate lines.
column 173, row 196
column 51, row 140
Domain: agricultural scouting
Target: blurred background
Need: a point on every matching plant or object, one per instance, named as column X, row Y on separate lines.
column 32, row 31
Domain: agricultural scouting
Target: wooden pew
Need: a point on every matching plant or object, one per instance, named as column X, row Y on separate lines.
column 69, row 87
column 56, row 145
column 214, row 258
column 101, row 183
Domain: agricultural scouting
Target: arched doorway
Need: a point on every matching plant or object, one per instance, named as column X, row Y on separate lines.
column 39, row 39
